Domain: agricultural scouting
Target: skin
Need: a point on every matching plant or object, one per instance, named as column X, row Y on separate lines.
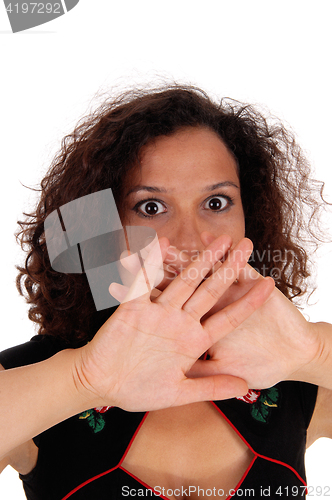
column 182, row 212
column 159, row 196
column 155, row 344
column 127, row 363
column 191, row 215
column 187, row 214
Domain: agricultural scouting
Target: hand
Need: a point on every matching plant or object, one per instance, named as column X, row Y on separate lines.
column 139, row 358
column 275, row 343
column 304, row 345
column 174, row 262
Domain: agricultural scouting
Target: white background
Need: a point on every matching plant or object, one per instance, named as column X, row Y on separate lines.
column 277, row 54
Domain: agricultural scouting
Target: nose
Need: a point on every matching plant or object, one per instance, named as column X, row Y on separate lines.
column 185, row 234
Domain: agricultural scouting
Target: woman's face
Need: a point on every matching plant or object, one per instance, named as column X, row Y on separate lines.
column 187, row 184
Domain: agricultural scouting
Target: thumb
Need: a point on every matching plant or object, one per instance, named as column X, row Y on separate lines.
column 207, row 238
column 211, row 388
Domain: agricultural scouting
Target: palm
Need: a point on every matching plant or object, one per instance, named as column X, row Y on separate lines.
column 165, row 345
column 139, row 359
column 269, row 346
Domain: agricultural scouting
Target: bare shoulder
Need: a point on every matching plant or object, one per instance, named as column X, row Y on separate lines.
column 321, row 422
column 23, row 458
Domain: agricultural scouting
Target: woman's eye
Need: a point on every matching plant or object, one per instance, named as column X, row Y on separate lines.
column 217, row 203
column 150, row 208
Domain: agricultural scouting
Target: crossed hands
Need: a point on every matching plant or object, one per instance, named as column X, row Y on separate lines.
column 148, row 354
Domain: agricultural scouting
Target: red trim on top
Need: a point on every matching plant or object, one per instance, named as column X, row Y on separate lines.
column 110, row 470
column 233, row 427
column 285, row 465
column 259, row 454
column 143, row 483
column 87, row 482
column 165, row 498
column 132, row 439
column 242, row 478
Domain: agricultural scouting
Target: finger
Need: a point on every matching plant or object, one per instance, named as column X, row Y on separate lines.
column 145, row 278
column 246, row 279
column 178, row 259
column 228, row 319
column 175, row 261
column 206, row 238
column 216, row 285
column 204, row 368
column 129, row 266
column 248, row 274
column 118, row 291
column 155, row 294
column 130, row 262
column 181, row 289
column 170, row 273
column 211, row 388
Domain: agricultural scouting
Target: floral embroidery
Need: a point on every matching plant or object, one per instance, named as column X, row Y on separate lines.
column 251, row 396
column 95, row 417
column 103, row 409
column 262, row 402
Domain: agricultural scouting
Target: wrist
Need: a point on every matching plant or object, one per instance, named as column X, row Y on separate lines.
column 318, row 369
column 86, row 392
column 48, row 389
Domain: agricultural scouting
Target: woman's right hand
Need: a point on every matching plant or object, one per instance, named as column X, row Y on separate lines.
column 139, row 358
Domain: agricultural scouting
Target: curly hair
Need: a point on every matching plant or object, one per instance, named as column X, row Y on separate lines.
column 281, row 202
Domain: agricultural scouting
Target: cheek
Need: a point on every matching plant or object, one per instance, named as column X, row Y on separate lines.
column 239, row 225
column 241, row 228
column 234, row 227
column 131, row 219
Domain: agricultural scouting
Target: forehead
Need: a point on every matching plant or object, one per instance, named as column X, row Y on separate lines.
column 189, row 154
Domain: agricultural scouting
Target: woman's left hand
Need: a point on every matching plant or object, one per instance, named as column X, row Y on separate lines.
column 275, row 343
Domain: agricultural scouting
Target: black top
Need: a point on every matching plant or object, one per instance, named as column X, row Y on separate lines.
column 81, row 457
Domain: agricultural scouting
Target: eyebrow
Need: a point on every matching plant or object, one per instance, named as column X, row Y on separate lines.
column 221, row 184
column 153, row 189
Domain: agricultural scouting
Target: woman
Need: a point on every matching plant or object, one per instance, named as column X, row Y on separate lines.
column 126, row 411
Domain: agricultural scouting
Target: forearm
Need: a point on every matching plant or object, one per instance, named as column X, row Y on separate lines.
column 33, row 398
column 319, row 370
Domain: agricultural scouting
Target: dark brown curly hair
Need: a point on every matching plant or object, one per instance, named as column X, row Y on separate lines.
column 281, row 202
